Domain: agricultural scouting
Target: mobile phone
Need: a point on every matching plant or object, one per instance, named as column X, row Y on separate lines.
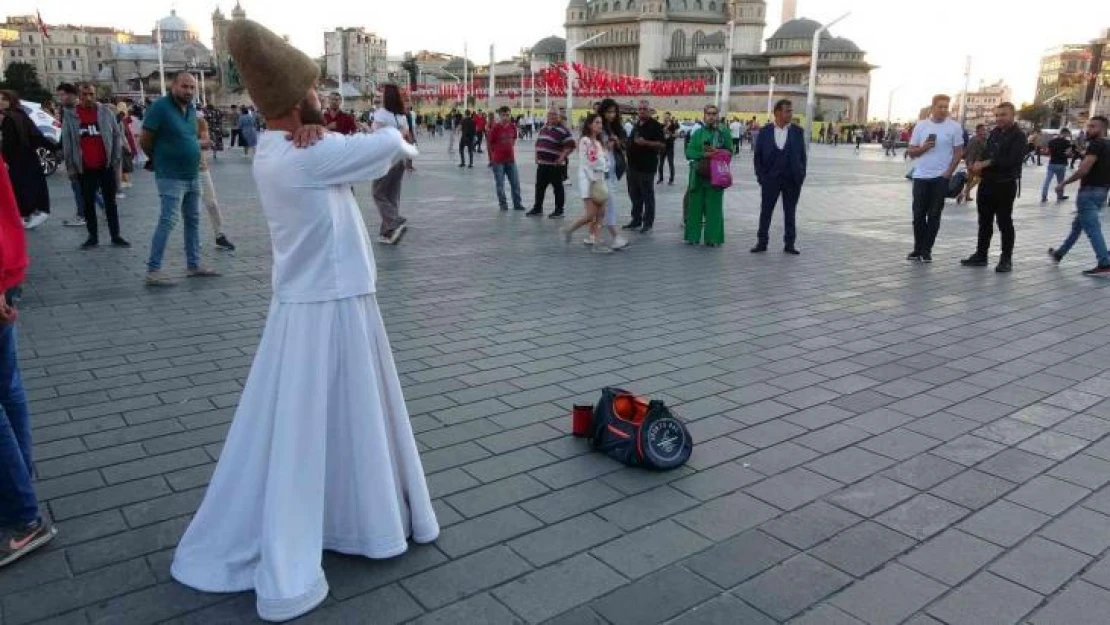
column 932, row 137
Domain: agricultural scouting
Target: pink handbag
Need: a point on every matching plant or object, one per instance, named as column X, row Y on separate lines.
column 720, row 169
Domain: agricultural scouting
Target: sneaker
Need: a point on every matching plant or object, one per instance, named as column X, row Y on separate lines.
column 635, row 225
column 504, row 208
column 1063, row 198
column 1044, row 200
column 974, row 260
column 158, row 278
column 556, row 215
column 519, row 208
column 602, row 249
column 89, row 244
column 926, row 258
column 1004, row 265
column 619, row 243
column 645, row 230
column 26, row 223
column 913, row 256
column 120, row 196
column 21, row 541
column 74, row 223
column 759, row 249
column 397, row 234
column 37, row 220
column 384, row 239
column 224, row 244
column 1056, row 256
column 462, row 164
column 1098, row 271
column 535, row 212
column 203, row 272
column 590, row 240
column 120, row 242
column 793, row 251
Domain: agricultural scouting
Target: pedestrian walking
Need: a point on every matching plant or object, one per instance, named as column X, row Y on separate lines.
column 704, row 212
column 670, row 134
column 320, row 454
column 170, row 138
column 1059, row 149
column 19, row 142
column 466, row 131
column 208, row 189
column 480, row 126
column 92, row 143
column 937, row 148
column 614, row 137
column 387, row 189
column 593, row 168
column 235, row 131
column 1094, row 189
column 780, row 167
column 1000, row 171
column 554, row 143
column 248, row 131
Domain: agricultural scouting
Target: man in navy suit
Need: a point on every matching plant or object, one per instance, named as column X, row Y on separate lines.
column 780, row 168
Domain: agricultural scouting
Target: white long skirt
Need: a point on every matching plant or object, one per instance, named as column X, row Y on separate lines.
column 320, row 456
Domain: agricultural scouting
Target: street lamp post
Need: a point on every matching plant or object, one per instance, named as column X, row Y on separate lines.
column 771, row 98
column 890, row 105
column 716, row 84
column 811, row 100
column 726, row 67
column 571, row 74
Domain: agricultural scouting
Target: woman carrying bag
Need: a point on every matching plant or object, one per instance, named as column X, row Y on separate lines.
column 593, row 170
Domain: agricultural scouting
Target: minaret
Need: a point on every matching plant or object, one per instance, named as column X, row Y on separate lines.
column 653, row 35
column 577, row 13
column 750, row 17
column 238, row 13
column 789, row 10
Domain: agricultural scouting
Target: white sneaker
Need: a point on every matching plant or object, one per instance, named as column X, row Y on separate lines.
column 26, row 223
column 120, row 196
column 620, row 243
column 590, row 240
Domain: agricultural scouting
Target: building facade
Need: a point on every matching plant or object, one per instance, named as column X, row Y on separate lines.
column 69, row 54
column 981, row 103
column 1075, row 78
column 359, row 56
column 681, row 39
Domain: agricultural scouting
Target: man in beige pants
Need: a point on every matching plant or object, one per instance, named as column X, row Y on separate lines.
column 208, row 190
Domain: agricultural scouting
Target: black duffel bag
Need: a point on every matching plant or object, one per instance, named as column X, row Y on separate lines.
column 653, row 438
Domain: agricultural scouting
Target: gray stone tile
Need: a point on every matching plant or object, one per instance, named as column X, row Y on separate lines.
column 648, row 507
column 1007, row 431
column 968, row 450
column 816, row 417
column 1079, row 604
column 735, row 560
column 1048, row 495
column 458, row 578
column 717, row 451
column 826, row 614
column 477, row 609
column 889, row 595
column 850, row 465
column 655, row 598
column 650, row 549
column 792, row 489
column 483, row 499
column 558, row 588
column 922, row 516
column 1004, row 523
column 879, row 420
column 635, row 480
column 832, row 438
column 951, row 557
column 769, row 433
column 942, row 426
column 1015, row 465
column 719, row 480
column 486, row 530
column 924, row 471
column 871, row 496
column 973, row 489
column 555, row 542
column 1082, row 529
column 863, row 548
column 779, row 458
column 1084, row 470
column 724, row 610
column 1085, row 426
column 1043, row 415
column 572, row 501
column 899, row 444
column 1040, row 565
column 810, row 525
column 726, row 516
column 1099, row 573
column 791, row 587
column 1054, row 445
column 985, row 600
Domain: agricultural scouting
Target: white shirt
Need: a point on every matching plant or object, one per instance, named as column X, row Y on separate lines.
column 385, row 119
column 736, row 128
column 781, row 134
column 320, row 245
column 935, row 162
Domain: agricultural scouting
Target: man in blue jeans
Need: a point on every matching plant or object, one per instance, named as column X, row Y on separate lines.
column 1094, row 187
column 1058, row 153
column 170, row 139
column 502, row 159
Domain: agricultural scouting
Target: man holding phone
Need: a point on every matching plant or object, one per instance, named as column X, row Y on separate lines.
column 937, row 145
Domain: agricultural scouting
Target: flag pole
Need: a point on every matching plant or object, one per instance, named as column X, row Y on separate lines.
column 43, row 36
column 492, row 77
column 161, row 61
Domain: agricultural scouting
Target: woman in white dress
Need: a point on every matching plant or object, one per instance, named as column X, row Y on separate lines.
column 593, row 169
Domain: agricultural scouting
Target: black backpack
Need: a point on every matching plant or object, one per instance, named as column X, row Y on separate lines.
column 659, row 442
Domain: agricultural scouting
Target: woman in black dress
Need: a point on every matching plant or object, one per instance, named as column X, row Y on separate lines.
column 20, row 139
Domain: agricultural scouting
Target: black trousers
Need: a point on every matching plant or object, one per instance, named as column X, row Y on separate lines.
column 468, row 144
column 478, row 141
column 234, row 136
column 103, row 180
column 770, row 191
column 641, row 188
column 996, row 203
column 928, row 204
column 667, row 157
column 549, row 175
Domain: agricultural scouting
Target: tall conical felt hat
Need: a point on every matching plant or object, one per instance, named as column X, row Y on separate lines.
column 276, row 74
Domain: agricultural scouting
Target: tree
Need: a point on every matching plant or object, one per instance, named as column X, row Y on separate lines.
column 1034, row 113
column 23, row 79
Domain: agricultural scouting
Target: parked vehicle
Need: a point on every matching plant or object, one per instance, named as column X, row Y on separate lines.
column 687, row 128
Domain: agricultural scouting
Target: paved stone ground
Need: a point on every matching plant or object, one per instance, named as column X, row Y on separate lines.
column 877, row 442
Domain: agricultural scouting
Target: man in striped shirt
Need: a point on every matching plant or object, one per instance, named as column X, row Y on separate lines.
column 554, row 143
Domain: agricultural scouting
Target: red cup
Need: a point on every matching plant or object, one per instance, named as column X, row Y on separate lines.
column 582, row 421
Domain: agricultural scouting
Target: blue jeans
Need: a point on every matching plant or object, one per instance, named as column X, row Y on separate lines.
column 500, row 170
column 1089, row 203
column 18, row 504
column 75, row 185
column 1054, row 171
column 175, row 194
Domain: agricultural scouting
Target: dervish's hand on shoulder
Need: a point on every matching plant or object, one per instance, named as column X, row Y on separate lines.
column 306, row 136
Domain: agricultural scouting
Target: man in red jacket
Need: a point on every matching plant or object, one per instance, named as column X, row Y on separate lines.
column 479, row 129
column 22, row 529
column 502, row 158
column 336, row 120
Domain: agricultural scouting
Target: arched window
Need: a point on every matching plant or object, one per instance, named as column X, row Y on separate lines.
column 605, row 8
column 699, row 38
column 631, row 5
column 678, row 44
column 698, row 5
column 712, row 5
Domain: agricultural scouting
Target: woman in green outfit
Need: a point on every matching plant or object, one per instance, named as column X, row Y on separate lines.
column 704, row 204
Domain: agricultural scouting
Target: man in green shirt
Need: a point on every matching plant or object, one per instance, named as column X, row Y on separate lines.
column 705, row 204
column 170, row 139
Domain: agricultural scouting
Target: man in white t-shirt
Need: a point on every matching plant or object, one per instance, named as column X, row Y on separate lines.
column 737, row 130
column 937, row 145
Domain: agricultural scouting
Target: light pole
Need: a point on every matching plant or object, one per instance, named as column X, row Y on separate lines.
column 890, row 105
column 458, row 80
column 726, row 68
column 967, row 85
column 571, row 74
column 811, row 100
column 716, row 84
column 771, row 99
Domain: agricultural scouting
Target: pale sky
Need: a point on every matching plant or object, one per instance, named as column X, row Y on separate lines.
column 919, row 47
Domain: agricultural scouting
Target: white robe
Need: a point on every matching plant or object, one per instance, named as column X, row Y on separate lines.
column 320, row 454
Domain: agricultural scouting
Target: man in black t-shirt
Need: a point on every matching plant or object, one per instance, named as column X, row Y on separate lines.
column 1058, row 150
column 670, row 133
column 1094, row 187
column 644, row 146
column 467, row 132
